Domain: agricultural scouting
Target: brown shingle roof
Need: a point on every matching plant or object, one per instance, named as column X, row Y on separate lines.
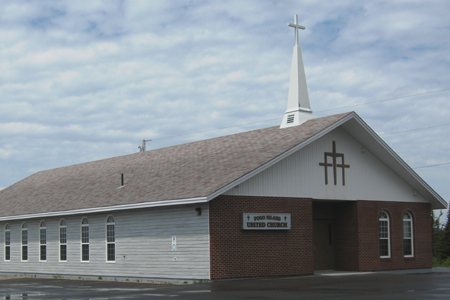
column 190, row 170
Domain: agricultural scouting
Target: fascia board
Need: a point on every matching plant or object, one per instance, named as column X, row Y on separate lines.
column 107, row 208
column 386, row 154
column 311, row 139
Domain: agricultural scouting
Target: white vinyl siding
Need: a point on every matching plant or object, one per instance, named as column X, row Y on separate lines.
column 367, row 178
column 143, row 245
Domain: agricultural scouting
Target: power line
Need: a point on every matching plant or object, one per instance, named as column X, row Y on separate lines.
column 415, row 129
column 448, row 163
column 239, row 125
column 402, row 97
column 360, row 104
column 387, row 133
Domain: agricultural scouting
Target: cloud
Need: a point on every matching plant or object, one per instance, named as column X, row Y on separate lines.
column 85, row 81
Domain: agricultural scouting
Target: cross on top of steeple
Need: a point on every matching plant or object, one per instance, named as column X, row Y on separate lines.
column 297, row 27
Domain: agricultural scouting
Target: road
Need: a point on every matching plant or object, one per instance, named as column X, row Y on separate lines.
column 435, row 285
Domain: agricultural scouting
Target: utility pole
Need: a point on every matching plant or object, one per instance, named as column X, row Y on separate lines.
column 142, row 148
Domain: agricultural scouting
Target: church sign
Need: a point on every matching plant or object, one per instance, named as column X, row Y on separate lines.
column 266, row 221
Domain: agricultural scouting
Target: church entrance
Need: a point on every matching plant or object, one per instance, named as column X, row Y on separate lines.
column 324, row 256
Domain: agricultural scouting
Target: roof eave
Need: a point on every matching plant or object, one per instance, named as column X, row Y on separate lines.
column 388, row 156
column 107, row 209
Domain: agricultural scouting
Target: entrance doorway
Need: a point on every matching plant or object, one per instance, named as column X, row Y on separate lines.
column 323, row 231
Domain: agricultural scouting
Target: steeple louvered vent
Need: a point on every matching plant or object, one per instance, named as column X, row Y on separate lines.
column 290, row 119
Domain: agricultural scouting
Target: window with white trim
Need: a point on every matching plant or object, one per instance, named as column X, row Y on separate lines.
column 110, row 239
column 385, row 247
column 7, row 242
column 408, row 245
column 85, row 239
column 43, row 241
column 24, row 242
column 62, row 240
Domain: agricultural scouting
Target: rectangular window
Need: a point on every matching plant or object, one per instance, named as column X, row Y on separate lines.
column 7, row 245
column 110, row 241
column 110, row 233
column 85, row 252
column 384, row 235
column 24, row 253
column 7, row 253
column 24, row 245
column 384, row 248
column 85, row 235
column 85, row 243
column 111, row 252
column 408, row 247
column 62, row 252
column 384, row 238
column 43, row 242
column 62, row 243
column 43, row 256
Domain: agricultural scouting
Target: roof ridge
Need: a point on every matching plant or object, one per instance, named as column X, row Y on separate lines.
column 187, row 171
column 179, row 145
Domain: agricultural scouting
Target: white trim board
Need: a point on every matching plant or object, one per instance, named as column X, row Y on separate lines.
column 107, row 208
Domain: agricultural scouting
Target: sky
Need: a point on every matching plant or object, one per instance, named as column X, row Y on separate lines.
column 87, row 80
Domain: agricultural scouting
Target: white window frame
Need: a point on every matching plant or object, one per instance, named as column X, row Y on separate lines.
column 384, row 217
column 110, row 240
column 22, row 244
column 42, row 240
column 62, row 225
column 7, row 243
column 407, row 217
column 85, row 242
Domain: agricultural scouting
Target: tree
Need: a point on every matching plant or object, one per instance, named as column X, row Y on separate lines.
column 437, row 235
column 445, row 240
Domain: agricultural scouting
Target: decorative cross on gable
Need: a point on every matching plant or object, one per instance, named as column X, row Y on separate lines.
column 334, row 164
column 297, row 27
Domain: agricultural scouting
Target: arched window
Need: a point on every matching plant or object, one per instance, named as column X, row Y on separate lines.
column 385, row 249
column 408, row 245
column 43, row 241
column 7, row 242
column 85, row 239
column 110, row 239
column 24, row 242
column 62, row 240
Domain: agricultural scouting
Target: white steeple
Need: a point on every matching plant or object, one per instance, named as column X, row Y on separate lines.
column 298, row 108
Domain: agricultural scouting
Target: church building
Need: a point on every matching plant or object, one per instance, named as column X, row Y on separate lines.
column 312, row 194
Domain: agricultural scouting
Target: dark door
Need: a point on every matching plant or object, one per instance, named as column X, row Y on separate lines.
column 323, row 245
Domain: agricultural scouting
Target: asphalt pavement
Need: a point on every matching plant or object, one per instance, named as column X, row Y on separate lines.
column 433, row 285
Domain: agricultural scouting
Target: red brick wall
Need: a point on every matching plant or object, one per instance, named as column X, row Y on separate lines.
column 237, row 253
column 369, row 257
column 256, row 253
